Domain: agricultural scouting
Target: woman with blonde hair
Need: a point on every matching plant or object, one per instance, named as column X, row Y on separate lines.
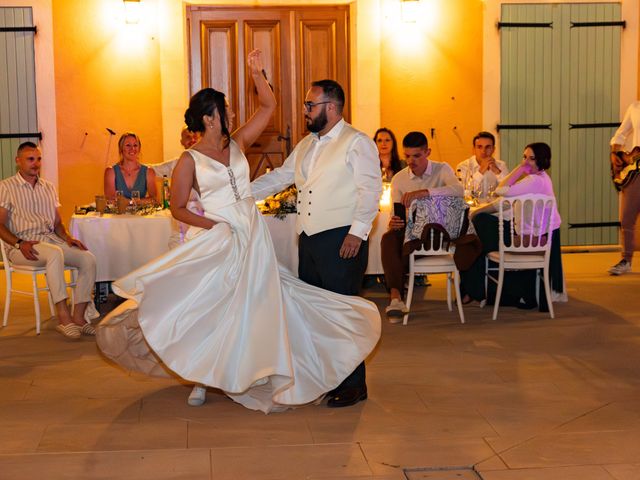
column 129, row 175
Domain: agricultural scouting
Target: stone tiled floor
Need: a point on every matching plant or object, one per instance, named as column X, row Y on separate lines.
column 522, row 398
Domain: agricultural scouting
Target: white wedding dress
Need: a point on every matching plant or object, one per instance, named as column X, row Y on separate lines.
column 218, row 310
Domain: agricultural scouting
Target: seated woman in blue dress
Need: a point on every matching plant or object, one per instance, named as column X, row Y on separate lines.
column 530, row 177
column 129, row 175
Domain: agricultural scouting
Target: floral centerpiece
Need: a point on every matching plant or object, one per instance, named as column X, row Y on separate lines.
column 280, row 204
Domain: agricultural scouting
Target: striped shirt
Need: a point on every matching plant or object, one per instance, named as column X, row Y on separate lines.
column 32, row 210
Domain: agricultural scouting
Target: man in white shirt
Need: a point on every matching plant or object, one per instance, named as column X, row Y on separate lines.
column 481, row 172
column 34, row 235
column 421, row 178
column 187, row 140
column 337, row 173
column 627, row 137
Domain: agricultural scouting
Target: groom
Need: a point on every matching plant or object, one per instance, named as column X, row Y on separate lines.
column 337, row 173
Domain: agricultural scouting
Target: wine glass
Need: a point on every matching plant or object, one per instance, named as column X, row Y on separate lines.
column 468, row 190
column 135, row 199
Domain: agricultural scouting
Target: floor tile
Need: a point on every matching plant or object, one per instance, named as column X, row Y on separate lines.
column 131, row 465
column 425, row 452
column 114, row 436
column 261, row 430
column 624, row 471
column 20, row 437
column 296, row 462
column 575, row 449
column 560, row 473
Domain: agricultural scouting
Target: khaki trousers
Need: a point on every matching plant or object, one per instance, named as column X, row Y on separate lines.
column 629, row 210
column 54, row 256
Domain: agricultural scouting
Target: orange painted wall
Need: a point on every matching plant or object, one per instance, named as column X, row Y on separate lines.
column 107, row 74
column 431, row 75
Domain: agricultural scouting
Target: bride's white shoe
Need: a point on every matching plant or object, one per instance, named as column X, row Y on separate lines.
column 198, row 396
column 260, row 382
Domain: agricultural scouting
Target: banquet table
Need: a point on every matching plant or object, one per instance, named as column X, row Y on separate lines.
column 285, row 240
column 122, row 243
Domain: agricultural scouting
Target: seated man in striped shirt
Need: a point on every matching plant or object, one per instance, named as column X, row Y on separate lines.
column 33, row 233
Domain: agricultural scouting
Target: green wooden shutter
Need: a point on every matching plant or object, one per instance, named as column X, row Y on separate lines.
column 566, row 75
column 18, row 110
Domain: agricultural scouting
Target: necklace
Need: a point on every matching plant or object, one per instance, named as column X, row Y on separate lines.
column 131, row 171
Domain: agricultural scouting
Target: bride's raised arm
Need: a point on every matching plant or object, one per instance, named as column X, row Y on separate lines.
column 250, row 131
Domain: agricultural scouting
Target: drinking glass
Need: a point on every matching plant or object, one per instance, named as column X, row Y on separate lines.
column 135, row 199
column 121, row 202
column 468, row 190
column 101, row 204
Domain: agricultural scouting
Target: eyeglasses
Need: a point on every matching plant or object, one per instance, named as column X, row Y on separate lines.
column 308, row 106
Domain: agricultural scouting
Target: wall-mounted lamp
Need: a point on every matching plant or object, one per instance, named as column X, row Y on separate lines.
column 410, row 10
column 132, row 11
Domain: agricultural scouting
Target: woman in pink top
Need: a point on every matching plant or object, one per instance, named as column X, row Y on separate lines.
column 530, row 177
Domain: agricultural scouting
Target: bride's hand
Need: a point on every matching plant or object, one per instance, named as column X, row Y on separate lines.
column 254, row 61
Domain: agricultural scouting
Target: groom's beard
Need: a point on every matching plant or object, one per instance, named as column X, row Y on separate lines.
column 319, row 123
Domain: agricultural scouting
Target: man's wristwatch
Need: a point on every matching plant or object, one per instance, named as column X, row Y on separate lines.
column 17, row 244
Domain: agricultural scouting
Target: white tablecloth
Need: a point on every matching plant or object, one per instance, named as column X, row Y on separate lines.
column 285, row 241
column 122, row 243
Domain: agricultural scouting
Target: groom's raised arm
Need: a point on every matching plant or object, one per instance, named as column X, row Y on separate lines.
column 276, row 180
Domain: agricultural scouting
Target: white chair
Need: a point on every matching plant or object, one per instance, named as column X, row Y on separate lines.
column 10, row 268
column 529, row 242
column 434, row 261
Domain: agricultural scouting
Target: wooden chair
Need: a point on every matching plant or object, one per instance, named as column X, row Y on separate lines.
column 10, row 269
column 527, row 244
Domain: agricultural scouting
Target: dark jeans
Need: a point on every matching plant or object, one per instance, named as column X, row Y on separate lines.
column 319, row 264
column 394, row 263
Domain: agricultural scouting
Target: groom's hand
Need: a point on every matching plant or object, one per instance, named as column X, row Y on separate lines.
column 350, row 246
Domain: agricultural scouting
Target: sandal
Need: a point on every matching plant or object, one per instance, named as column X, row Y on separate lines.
column 88, row 329
column 70, row 330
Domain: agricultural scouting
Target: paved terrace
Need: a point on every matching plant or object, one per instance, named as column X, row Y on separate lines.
column 521, row 398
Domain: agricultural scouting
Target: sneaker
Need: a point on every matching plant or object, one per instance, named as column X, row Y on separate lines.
column 396, row 310
column 198, row 396
column 623, row 266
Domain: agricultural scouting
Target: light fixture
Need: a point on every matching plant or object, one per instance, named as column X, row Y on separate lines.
column 132, row 11
column 410, row 10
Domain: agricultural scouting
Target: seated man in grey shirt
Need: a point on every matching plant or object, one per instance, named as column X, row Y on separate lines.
column 421, row 178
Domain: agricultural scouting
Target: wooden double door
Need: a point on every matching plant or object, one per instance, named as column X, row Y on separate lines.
column 299, row 45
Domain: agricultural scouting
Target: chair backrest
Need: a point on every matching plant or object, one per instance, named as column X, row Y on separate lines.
column 5, row 259
column 436, row 241
column 530, row 226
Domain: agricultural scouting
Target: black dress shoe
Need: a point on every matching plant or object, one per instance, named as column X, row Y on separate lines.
column 347, row 397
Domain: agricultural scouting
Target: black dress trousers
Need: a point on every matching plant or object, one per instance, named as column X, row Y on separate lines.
column 319, row 264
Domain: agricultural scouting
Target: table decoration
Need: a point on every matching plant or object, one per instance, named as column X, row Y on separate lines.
column 280, row 204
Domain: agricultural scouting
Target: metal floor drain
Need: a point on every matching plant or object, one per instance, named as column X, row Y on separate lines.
column 442, row 473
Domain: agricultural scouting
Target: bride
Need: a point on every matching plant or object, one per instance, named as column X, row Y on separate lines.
column 218, row 310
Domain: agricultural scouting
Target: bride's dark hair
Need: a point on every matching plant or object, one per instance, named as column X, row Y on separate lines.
column 205, row 102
